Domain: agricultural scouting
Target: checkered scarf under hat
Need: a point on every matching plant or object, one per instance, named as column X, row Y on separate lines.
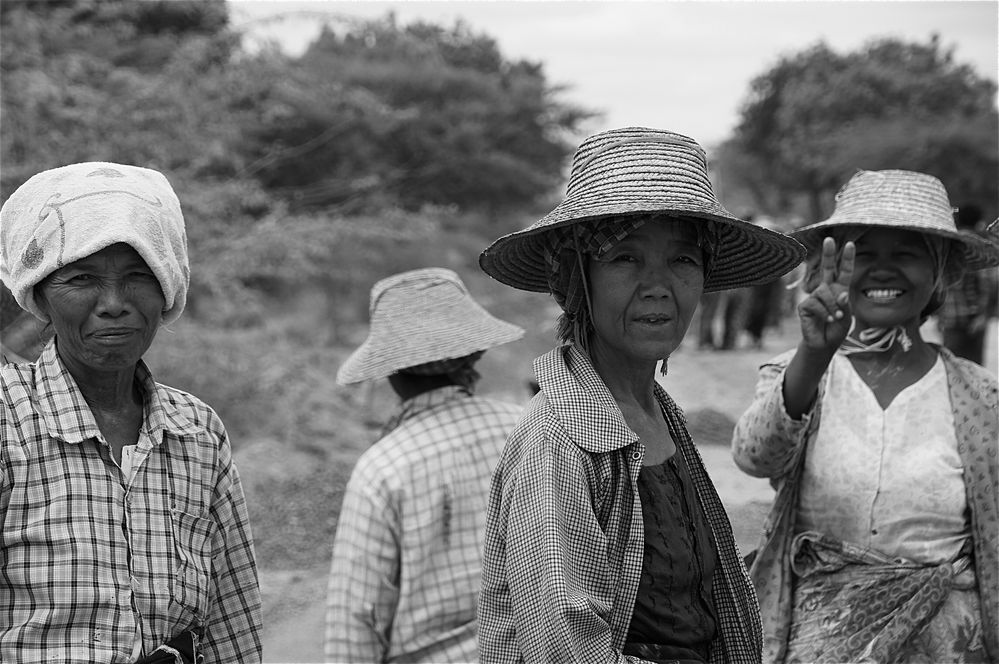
column 420, row 317
column 637, row 171
column 64, row 214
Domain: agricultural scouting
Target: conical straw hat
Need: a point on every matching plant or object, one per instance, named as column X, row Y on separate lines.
column 422, row 316
column 634, row 171
column 905, row 200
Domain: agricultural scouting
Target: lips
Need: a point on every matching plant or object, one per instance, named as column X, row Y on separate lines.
column 113, row 333
column 654, row 319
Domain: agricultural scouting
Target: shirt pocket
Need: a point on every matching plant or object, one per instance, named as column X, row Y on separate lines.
column 192, row 537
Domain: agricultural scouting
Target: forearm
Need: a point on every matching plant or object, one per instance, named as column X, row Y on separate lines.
column 363, row 593
column 802, row 378
column 236, row 623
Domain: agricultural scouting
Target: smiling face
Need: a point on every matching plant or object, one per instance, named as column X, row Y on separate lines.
column 894, row 278
column 105, row 309
column 644, row 292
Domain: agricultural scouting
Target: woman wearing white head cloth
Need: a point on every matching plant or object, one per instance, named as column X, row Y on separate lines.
column 883, row 541
column 606, row 540
column 123, row 528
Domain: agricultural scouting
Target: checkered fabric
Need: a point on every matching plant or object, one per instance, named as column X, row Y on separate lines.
column 564, row 534
column 404, row 579
column 85, row 553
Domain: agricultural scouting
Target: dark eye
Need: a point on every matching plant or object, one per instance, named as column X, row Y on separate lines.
column 81, row 278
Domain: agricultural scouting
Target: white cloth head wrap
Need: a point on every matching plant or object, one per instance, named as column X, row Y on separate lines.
column 65, row 214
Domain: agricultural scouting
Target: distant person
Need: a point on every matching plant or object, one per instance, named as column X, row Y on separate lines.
column 123, row 529
column 727, row 310
column 404, row 579
column 763, row 306
column 606, row 540
column 883, row 541
column 970, row 303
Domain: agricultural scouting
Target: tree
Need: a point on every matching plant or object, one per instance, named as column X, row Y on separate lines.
column 816, row 117
column 414, row 115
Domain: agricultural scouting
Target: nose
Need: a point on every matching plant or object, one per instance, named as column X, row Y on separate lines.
column 113, row 300
column 882, row 267
column 656, row 280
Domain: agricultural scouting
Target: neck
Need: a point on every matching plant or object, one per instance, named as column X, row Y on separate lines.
column 106, row 390
column 629, row 382
column 408, row 386
column 896, row 353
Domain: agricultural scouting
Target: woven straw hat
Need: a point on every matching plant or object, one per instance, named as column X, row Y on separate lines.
column 633, row 171
column 422, row 316
column 905, row 200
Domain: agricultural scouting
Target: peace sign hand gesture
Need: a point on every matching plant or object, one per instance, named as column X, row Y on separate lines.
column 825, row 313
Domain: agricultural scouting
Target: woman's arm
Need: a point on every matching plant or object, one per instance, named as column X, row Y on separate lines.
column 363, row 590
column 234, row 626
column 825, row 321
column 560, row 582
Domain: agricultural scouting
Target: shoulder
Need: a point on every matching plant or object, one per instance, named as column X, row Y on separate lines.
column 965, row 374
column 479, row 407
column 780, row 361
column 499, row 406
column 188, row 408
column 539, row 438
column 16, row 380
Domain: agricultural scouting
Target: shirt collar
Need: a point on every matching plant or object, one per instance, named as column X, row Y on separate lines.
column 68, row 417
column 424, row 401
column 582, row 402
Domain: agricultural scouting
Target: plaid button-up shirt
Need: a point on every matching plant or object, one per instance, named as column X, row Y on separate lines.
column 405, row 574
column 86, row 555
column 565, row 537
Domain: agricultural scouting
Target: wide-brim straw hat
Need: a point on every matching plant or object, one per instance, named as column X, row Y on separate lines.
column 636, row 171
column 422, row 316
column 904, row 200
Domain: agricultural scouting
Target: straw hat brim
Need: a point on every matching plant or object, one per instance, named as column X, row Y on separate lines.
column 977, row 254
column 747, row 255
column 440, row 331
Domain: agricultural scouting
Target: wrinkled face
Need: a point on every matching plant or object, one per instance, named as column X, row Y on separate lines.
column 893, row 278
column 644, row 291
column 105, row 309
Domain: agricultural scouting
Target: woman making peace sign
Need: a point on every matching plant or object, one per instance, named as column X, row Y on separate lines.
column 882, row 543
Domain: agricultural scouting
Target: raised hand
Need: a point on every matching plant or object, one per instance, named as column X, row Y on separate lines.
column 825, row 313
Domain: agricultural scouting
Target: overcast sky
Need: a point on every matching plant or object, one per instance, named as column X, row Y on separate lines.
column 679, row 65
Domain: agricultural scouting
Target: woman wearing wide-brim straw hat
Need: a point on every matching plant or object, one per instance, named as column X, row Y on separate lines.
column 883, row 541
column 404, row 578
column 605, row 537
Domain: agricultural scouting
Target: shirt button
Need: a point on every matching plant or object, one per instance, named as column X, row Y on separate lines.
column 134, row 583
column 874, row 531
column 636, row 455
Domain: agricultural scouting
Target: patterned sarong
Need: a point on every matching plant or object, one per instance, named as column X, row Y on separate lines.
column 857, row 605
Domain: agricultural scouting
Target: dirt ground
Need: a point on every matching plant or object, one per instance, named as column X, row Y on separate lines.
column 713, row 388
